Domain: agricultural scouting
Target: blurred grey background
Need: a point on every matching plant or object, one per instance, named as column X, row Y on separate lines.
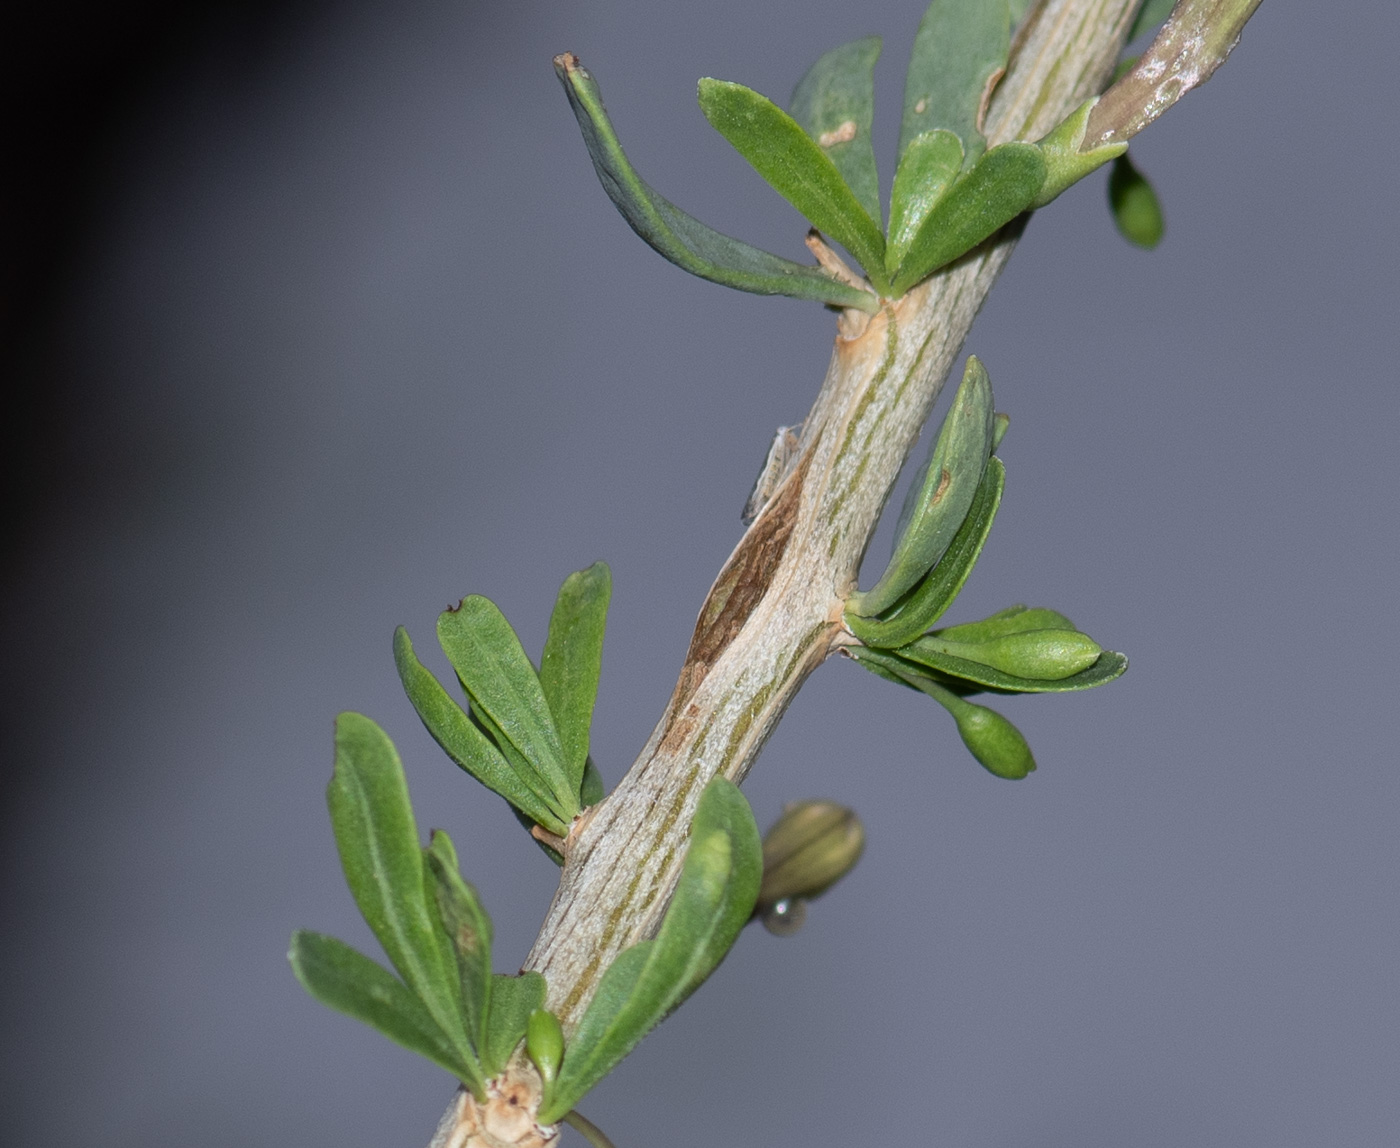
column 323, row 322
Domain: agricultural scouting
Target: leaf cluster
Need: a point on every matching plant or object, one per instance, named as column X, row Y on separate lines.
column 950, row 192
column 523, row 734
column 445, row 1004
column 943, row 527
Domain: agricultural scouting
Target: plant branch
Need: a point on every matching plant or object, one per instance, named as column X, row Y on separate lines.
column 773, row 614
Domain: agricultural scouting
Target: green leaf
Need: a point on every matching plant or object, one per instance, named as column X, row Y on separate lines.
column 1003, row 184
column 378, row 842
column 796, row 167
column 592, row 790
column 835, row 104
column 572, row 661
column 714, row 898
column 1136, row 209
column 970, row 677
column 468, row 929
column 932, row 597
column 1012, row 620
column 959, row 47
column 1065, row 163
column 1042, row 655
column 466, row 745
column 927, row 169
column 939, row 501
column 504, row 688
column 680, row 238
column 513, row 999
column 1019, row 8
column 1152, row 13
column 349, row 982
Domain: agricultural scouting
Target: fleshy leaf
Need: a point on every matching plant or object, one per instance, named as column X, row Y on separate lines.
column 835, row 104
column 503, row 686
column 932, row 597
column 926, row 171
column 349, row 982
column 1136, row 209
column 378, row 842
column 968, row 677
column 680, row 238
column 797, row 168
column 1012, row 620
column 466, row 745
column 513, row 999
column 1004, row 182
column 959, row 47
column 572, row 661
column 940, row 499
column 1041, row 655
column 715, row 896
column 468, row 930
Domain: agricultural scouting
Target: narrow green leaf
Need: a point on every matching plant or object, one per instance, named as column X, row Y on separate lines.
column 926, row 171
column 503, row 686
column 378, row 842
column 835, row 104
column 513, row 999
column 1003, row 184
column 939, row 502
column 349, row 982
column 465, row 744
column 932, row 597
column 958, row 48
column 1150, row 15
column 1136, row 209
column 715, row 896
column 797, row 168
column 970, row 677
column 592, row 790
column 520, row 765
column 1012, row 620
column 468, row 929
column 572, row 661
column 680, row 238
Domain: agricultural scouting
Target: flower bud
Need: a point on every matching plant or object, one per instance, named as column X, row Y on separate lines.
column 810, row 847
column 993, row 741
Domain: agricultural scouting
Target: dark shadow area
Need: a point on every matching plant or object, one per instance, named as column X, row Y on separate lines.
column 76, row 80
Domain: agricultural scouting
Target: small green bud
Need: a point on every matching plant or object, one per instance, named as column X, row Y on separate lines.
column 1136, row 209
column 544, row 1041
column 810, row 847
column 993, row 741
column 1043, row 655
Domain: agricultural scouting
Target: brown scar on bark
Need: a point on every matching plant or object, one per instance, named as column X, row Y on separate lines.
column 741, row 585
column 992, row 81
